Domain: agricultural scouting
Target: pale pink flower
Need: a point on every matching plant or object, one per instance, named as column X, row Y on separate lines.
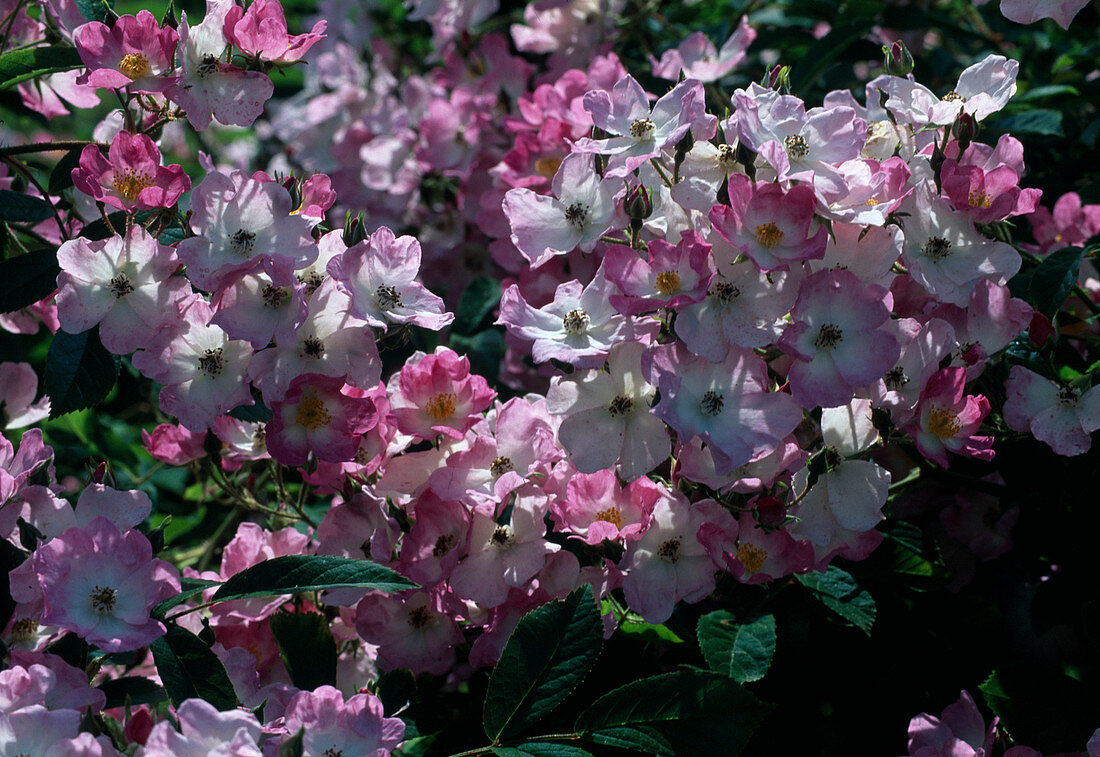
column 698, row 58
column 336, row 726
column 416, row 632
column 18, row 385
column 1030, row 11
column 848, row 498
column 205, row 731
column 1062, row 416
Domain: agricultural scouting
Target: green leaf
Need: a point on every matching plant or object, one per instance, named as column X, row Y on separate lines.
column 61, row 177
column 742, row 651
column 1039, row 705
column 1055, row 278
column 292, row 574
column 28, row 278
column 689, row 712
column 838, row 591
column 131, row 690
column 257, row 412
column 416, row 747
column 1037, row 121
column 189, row 589
column 79, row 371
column 292, row 747
column 481, row 296
column 188, row 669
column 485, row 351
column 94, row 10
column 20, row 65
column 546, row 657
column 541, row 749
column 826, row 50
column 1051, row 90
column 16, row 207
column 633, row 625
column 306, row 645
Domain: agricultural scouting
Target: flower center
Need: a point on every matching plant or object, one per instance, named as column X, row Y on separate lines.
column 751, row 556
column 312, row 281
column 333, row 751
column 259, row 439
column 610, row 515
column 313, row 348
column 103, row 599
column 134, row 66
column 620, row 405
column 1068, row 396
column 211, row 362
column 980, row 199
column 796, row 146
column 129, row 184
column 575, row 321
column 120, row 286
column 668, row 282
column 669, row 551
column 242, row 242
column 207, row 67
column 727, row 156
column 547, row 167
column 503, row 538
column 576, row 214
column 769, row 235
column 895, row 379
column 441, row 406
column 943, row 422
column 828, row 336
column 24, row 629
column 420, row 617
column 444, row 544
column 312, row 413
column 500, row 466
column 388, row 297
column 953, row 97
column 936, row 248
column 712, row 403
column 275, row 297
column 725, row 292
column 642, row 128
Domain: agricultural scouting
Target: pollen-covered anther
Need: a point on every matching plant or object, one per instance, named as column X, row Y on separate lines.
column 134, row 66
column 313, row 348
column 668, row 282
column 388, row 297
column 547, row 167
column 312, row 412
column 669, row 550
column 274, row 297
column 129, row 183
column 943, row 422
column 444, row 544
column 796, row 146
column 576, row 214
column 953, row 97
column 312, row 282
column 769, row 235
column 727, row 156
column 642, row 128
column 24, row 629
column 1068, row 396
column 211, row 362
column 751, row 557
column 243, row 242
column 120, row 286
column 980, row 199
column 620, row 405
column 895, row 378
column 610, row 515
column 259, row 439
column 503, row 537
column 937, row 248
column 500, row 466
column 828, row 336
column 711, row 403
column 725, row 292
column 207, row 67
column 420, row 617
column 575, row 321
column 441, row 406
column 103, row 599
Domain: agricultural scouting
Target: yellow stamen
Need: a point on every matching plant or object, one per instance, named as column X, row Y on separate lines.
column 610, row 515
column 943, row 422
column 547, row 166
column 769, row 235
column 751, row 556
column 441, row 406
column 129, row 184
column 312, row 412
column 668, row 282
column 980, row 199
column 134, row 66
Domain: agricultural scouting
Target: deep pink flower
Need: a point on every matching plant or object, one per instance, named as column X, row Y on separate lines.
column 135, row 52
column 948, row 420
column 261, row 31
column 131, row 177
column 437, row 394
column 316, row 416
column 596, row 507
column 673, row 275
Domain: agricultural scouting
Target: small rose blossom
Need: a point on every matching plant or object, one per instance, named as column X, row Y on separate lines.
column 131, row 176
column 437, row 394
column 261, row 31
column 136, row 52
column 316, row 416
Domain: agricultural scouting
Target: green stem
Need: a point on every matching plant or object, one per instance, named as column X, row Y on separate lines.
column 44, row 147
column 661, row 172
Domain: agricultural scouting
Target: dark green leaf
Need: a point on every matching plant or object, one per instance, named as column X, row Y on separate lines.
column 188, row 669
column 541, row 749
column 190, row 588
column 1042, row 706
column 131, row 690
column 292, row 574
column 257, row 412
column 838, row 591
column 632, row 625
column 28, row 278
column 826, row 50
column 98, row 230
column 11, row 557
column 306, row 645
column 1037, row 121
column 1055, row 278
column 79, row 371
column 546, row 657
column 20, row 65
column 292, row 747
column 94, row 10
column 61, row 177
column 689, row 712
column 481, row 296
column 1051, row 90
column 16, row 207
column 484, row 350
column 417, row 746
column 742, row 651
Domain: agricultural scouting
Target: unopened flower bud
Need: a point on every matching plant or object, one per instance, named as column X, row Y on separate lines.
column 638, row 204
column 898, row 60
